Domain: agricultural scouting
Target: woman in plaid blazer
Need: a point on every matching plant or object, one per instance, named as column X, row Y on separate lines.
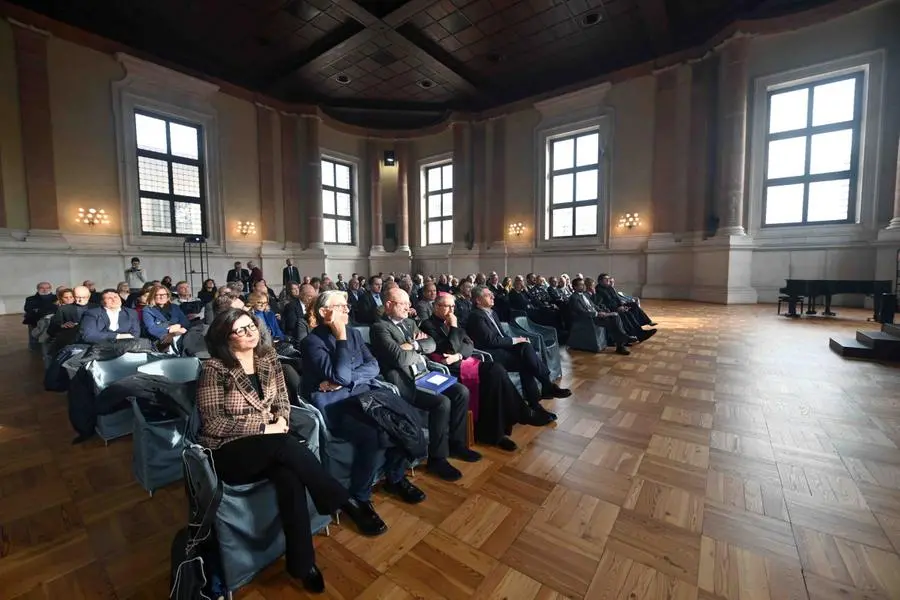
column 244, row 410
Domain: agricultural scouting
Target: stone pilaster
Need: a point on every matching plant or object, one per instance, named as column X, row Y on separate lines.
column 312, row 182
column 732, row 136
column 895, row 221
column 403, row 174
column 264, row 141
column 375, row 187
column 294, row 230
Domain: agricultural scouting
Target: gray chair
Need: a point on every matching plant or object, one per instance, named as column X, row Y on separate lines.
column 104, row 372
column 156, row 459
column 587, row 335
column 551, row 343
column 247, row 526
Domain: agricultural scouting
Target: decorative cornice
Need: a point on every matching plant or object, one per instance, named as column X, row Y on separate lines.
column 150, row 73
column 574, row 101
column 32, row 28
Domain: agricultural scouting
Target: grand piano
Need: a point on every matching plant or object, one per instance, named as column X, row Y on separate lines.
column 826, row 288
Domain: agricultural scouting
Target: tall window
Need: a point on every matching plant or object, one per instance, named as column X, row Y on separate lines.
column 573, row 184
column 337, row 202
column 437, row 181
column 171, row 180
column 812, row 152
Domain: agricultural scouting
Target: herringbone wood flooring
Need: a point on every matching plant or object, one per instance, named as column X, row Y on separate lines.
column 731, row 457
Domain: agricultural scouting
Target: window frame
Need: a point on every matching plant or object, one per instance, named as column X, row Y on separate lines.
column 330, row 157
column 171, row 197
column 552, row 207
column 872, row 65
column 807, row 132
column 426, row 217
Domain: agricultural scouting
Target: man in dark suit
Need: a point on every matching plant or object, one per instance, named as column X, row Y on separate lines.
column 399, row 346
column 110, row 321
column 580, row 304
column 607, row 296
column 290, row 273
column 238, row 273
column 369, row 305
column 514, row 353
column 64, row 325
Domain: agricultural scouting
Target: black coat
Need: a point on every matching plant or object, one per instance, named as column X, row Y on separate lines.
column 38, row 306
column 293, row 321
column 484, row 334
column 448, row 340
column 396, row 419
column 394, row 361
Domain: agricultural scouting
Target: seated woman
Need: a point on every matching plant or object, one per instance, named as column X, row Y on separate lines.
column 494, row 400
column 245, row 414
column 338, row 367
column 163, row 321
column 259, row 304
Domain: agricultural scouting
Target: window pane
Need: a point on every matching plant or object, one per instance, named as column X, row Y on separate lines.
column 563, row 154
column 327, row 202
column 562, row 222
column 562, row 188
column 327, row 173
column 188, row 218
column 788, row 111
column 586, row 220
column 434, row 206
column 447, row 203
column 328, row 231
column 342, row 177
column 587, row 150
column 150, row 133
column 343, row 205
column 185, row 140
column 586, row 185
column 186, row 180
column 156, row 216
column 447, row 231
column 831, row 152
column 787, row 158
column 344, row 236
column 784, row 204
column 447, row 177
column 434, row 179
column 434, row 232
column 153, row 175
column 828, row 200
column 834, row 102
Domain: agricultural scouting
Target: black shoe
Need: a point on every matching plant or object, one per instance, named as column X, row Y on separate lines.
column 652, row 324
column 439, row 467
column 622, row 350
column 364, row 517
column 647, row 334
column 632, row 340
column 465, row 455
column 537, row 417
column 313, row 581
column 405, row 490
column 507, row 444
column 555, row 391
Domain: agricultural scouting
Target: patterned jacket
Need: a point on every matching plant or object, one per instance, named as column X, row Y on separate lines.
column 229, row 406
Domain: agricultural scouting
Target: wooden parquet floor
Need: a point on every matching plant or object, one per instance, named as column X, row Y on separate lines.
column 732, row 457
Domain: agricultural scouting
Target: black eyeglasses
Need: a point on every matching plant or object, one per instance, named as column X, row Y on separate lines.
column 245, row 331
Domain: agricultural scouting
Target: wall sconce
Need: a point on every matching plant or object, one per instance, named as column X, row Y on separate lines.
column 630, row 221
column 516, row 229
column 390, row 158
column 93, row 216
column 246, row 228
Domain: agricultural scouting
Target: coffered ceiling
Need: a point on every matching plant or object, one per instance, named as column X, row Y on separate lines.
column 426, row 55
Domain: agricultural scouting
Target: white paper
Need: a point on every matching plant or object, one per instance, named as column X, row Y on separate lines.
column 437, row 379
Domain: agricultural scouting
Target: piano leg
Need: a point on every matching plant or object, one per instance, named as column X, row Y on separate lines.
column 811, row 307
column 828, row 312
column 792, row 308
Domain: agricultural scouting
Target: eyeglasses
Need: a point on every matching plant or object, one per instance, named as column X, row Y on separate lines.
column 339, row 307
column 245, row 331
column 82, row 297
column 162, row 295
column 448, row 306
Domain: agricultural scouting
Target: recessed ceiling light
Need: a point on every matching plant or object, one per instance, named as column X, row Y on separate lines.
column 425, row 83
column 342, row 78
column 591, row 19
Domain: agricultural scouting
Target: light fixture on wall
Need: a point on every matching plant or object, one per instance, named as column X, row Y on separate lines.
column 390, row 158
column 630, row 221
column 92, row 216
column 516, row 229
column 246, row 228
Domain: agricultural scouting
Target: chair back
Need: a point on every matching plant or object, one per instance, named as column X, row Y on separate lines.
column 176, row 370
column 107, row 372
column 364, row 332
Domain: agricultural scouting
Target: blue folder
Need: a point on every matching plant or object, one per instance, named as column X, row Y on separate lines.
column 434, row 381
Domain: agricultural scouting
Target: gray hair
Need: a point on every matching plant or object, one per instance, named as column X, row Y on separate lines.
column 322, row 301
column 236, row 287
column 478, row 291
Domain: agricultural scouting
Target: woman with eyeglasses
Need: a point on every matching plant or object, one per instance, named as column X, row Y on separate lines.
column 494, row 400
column 245, row 417
column 163, row 321
column 259, row 304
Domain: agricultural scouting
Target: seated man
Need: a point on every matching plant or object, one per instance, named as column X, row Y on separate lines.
column 337, row 368
column 398, row 344
column 514, row 353
column 110, row 321
column 633, row 304
column 632, row 320
column 64, row 324
column 580, row 304
column 190, row 306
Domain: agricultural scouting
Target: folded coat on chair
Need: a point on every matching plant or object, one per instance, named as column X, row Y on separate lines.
column 398, row 422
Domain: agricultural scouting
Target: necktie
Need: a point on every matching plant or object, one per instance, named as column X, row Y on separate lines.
column 494, row 321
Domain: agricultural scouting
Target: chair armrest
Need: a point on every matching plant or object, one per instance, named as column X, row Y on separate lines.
column 545, row 330
column 484, row 356
column 436, row 366
column 384, row 384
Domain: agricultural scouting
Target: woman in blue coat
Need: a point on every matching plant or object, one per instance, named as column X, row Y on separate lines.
column 160, row 317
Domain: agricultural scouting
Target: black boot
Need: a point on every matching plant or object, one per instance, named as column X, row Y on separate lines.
column 364, row 517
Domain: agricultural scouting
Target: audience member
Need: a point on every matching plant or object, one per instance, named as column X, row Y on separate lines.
column 110, row 321
column 581, row 304
column 135, row 277
column 163, row 321
column 258, row 302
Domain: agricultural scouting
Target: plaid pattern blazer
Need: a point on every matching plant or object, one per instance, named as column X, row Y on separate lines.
column 229, row 406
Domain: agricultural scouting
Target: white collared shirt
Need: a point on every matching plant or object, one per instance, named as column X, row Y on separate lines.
column 113, row 315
